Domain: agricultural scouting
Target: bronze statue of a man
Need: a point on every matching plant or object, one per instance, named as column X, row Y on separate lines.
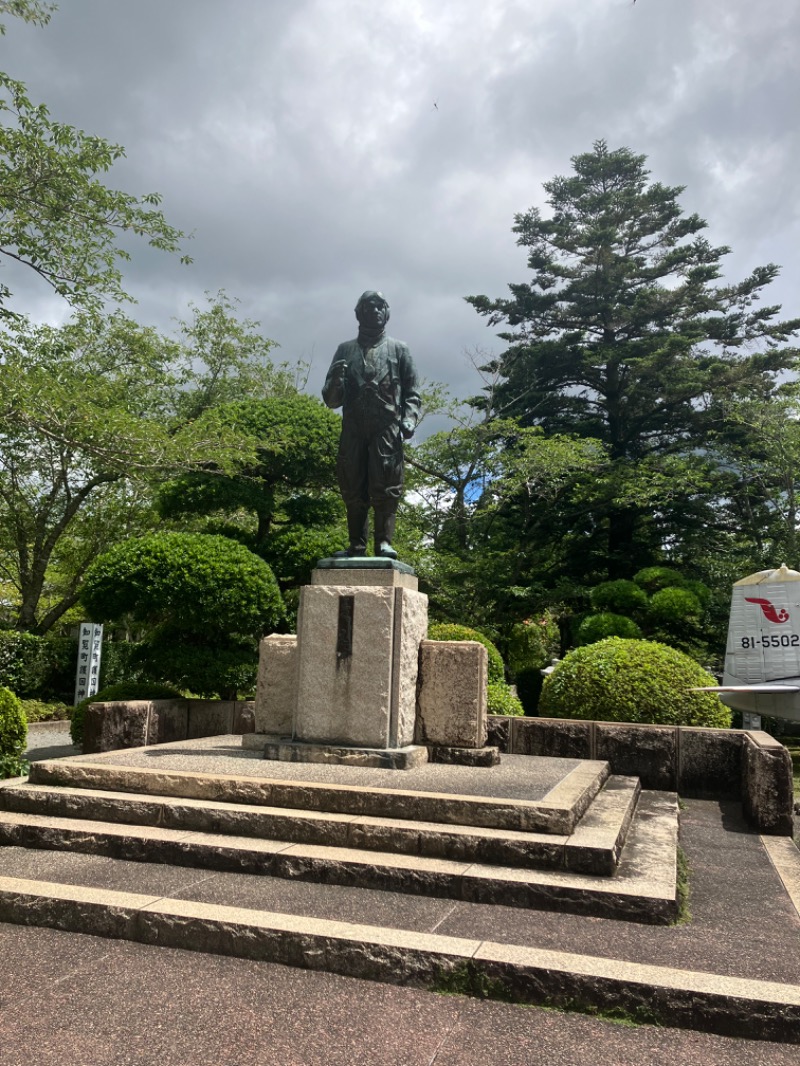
column 373, row 380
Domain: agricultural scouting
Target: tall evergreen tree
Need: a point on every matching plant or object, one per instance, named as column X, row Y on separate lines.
column 624, row 334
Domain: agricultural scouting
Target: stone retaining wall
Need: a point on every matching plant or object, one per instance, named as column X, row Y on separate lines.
column 137, row 723
column 750, row 766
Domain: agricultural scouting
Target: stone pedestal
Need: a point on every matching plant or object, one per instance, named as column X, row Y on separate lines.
column 358, row 636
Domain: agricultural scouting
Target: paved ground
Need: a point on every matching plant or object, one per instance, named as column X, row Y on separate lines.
column 49, row 740
column 77, row 1000
column 72, row 1000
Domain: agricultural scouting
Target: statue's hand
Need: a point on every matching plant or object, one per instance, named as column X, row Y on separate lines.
column 407, row 430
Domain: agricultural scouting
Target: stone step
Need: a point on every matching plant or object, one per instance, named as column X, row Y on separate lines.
column 766, row 1010
column 558, row 811
column 594, row 847
column 643, row 888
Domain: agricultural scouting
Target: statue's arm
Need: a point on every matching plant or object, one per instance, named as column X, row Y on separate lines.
column 412, row 402
column 333, row 389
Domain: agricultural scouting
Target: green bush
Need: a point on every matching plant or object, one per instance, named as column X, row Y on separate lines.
column 176, row 660
column 654, row 578
column 39, row 711
column 673, row 607
column 451, row 631
column 13, row 735
column 618, row 597
column 701, row 591
column 596, row 627
column 621, row 680
column 134, row 690
column 501, row 700
column 203, row 600
column 37, row 667
column 533, row 643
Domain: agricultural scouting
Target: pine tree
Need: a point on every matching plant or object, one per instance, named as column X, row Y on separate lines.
column 625, row 334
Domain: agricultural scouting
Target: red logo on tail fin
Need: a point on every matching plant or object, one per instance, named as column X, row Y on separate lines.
column 769, row 610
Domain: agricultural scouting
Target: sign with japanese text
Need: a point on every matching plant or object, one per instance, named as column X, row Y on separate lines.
column 90, row 647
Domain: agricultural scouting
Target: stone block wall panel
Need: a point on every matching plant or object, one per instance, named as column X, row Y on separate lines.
column 276, row 690
column 649, row 752
column 451, row 698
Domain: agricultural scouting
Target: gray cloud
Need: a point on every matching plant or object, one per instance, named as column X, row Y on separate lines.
column 300, row 142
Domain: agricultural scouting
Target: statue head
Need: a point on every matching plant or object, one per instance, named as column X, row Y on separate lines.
column 372, row 309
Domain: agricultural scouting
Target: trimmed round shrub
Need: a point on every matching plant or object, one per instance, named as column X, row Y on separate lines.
column 701, row 591
column 13, row 735
column 501, row 700
column 673, row 607
column 533, row 643
column 621, row 680
column 452, row 631
column 596, row 627
column 199, row 583
column 654, row 578
column 133, row 690
column 618, row 597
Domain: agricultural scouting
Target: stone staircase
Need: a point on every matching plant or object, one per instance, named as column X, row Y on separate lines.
column 201, row 846
column 593, row 843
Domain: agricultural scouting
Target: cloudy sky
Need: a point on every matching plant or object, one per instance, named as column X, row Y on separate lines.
column 316, row 148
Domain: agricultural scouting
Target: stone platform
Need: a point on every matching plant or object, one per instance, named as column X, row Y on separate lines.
column 365, row 896
column 529, row 832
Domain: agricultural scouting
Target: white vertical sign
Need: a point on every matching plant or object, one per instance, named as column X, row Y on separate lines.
column 90, row 647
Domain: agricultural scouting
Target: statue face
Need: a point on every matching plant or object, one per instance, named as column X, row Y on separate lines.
column 373, row 312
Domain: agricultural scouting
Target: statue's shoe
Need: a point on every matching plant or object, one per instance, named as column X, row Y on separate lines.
column 386, row 551
column 350, row 553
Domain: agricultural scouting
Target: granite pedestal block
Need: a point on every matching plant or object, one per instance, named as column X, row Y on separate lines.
column 452, row 695
column 277, row 685
column 358, row 636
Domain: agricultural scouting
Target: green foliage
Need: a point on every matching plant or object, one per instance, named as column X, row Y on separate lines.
column 38, row 12
column 619, row 680
column 34, row 666
column 203, row 602
column 219, row 669
column 13, row 766
column 620, row 331
column 701, row 591
column 127, row 691
column 281, row 505
column 13, row 726
column 501, row 700
column 39, row 711
column 451, row 631
column 596, row 627
column 654, row 578
column 674, row 607
column 619, row 597
column 58, row 217
column 533, row 643
column 191, row 582
column 91, row 416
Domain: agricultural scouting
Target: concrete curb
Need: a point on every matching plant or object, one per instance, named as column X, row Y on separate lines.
column 732, row 1006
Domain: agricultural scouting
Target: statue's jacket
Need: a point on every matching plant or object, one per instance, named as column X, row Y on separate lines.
column 376, row 388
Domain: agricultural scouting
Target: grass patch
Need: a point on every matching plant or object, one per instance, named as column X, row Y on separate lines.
column 468, row 979
column 683, row 888
column 40, row 711
column 792, row 744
